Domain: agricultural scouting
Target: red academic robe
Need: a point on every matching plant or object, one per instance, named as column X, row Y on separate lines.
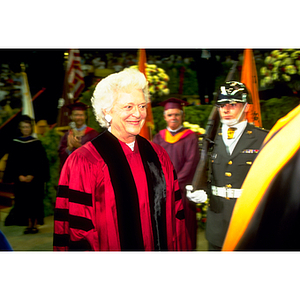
column 89, row 134
column 87, row 213
column 184, row 153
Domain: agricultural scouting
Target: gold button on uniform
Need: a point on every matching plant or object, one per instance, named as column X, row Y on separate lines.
column 229, row 186
column 228, row 174
column 249, row 162
column 230, row 162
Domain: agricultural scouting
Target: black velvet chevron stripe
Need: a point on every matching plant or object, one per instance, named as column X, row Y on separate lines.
column 180, row 215
column 81, row 245
column 61, row 214
column 177, row 195
column 80, row 197
column 61, row 240
column 74, row 196
column 128, row 213
column 157, row 192
column 63, row 191
column 81, row 223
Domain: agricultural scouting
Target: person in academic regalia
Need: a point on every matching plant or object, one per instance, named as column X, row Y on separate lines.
column 28, row 168
column 267, row 215
column 119, row 191
column 182, row 146
column 235, row 149
column 79, row 133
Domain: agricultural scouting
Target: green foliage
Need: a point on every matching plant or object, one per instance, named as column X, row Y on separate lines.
column 274, row 109
column 174, row 80
column 190, row 82
column 50, row 141
column 198, row 114
column 86, row 99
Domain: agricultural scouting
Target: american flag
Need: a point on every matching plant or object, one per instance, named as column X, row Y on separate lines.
column 73, row 86
column 75, row 74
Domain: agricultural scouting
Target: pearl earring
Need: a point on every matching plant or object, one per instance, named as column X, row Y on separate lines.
column 108, row 118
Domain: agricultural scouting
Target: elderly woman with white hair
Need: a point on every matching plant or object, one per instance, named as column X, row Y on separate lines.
column 120, row 191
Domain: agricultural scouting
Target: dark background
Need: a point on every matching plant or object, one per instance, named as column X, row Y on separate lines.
column 45, row 69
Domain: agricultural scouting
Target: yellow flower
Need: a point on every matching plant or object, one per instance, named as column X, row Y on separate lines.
column 275, row 76
column 277, row 63
column 157, row 78
column 282, row 56
column 289, row 61
column 194, row 128
column 151, row 66
column 202, row 131
column 269, row 60
column 263, row 70
column 295, row 54
column 152, row 89
column 291, row 69
column 268, row 79
column 286, row 77
column 275, row 52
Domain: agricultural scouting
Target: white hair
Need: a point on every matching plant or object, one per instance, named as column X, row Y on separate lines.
column 109, row 88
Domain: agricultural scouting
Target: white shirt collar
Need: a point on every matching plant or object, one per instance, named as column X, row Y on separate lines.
column 230, row 144
column 175, row 130
column 130, row 145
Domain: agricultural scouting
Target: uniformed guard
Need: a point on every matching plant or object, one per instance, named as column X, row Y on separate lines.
column 236, row 146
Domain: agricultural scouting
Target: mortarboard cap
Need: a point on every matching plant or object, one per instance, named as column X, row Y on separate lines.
column 77, row 106
column 174, row 103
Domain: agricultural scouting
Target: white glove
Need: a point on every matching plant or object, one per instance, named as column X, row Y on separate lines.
column 198, row 196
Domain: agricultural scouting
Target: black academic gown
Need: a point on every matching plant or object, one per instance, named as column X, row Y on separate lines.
column 27, row 156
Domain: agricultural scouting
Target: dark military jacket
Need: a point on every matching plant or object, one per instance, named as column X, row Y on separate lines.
column 230, row 171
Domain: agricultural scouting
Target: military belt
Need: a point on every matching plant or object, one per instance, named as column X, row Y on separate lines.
column 226, row 192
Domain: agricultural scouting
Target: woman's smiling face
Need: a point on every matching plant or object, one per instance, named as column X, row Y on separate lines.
column 128, row 115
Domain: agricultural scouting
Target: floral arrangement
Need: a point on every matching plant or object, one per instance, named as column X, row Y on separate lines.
column 201, row 213
column 157, row 78
column 196, row 128
column 282, row 66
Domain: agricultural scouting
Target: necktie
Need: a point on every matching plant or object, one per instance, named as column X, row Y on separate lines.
column 230, row 132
